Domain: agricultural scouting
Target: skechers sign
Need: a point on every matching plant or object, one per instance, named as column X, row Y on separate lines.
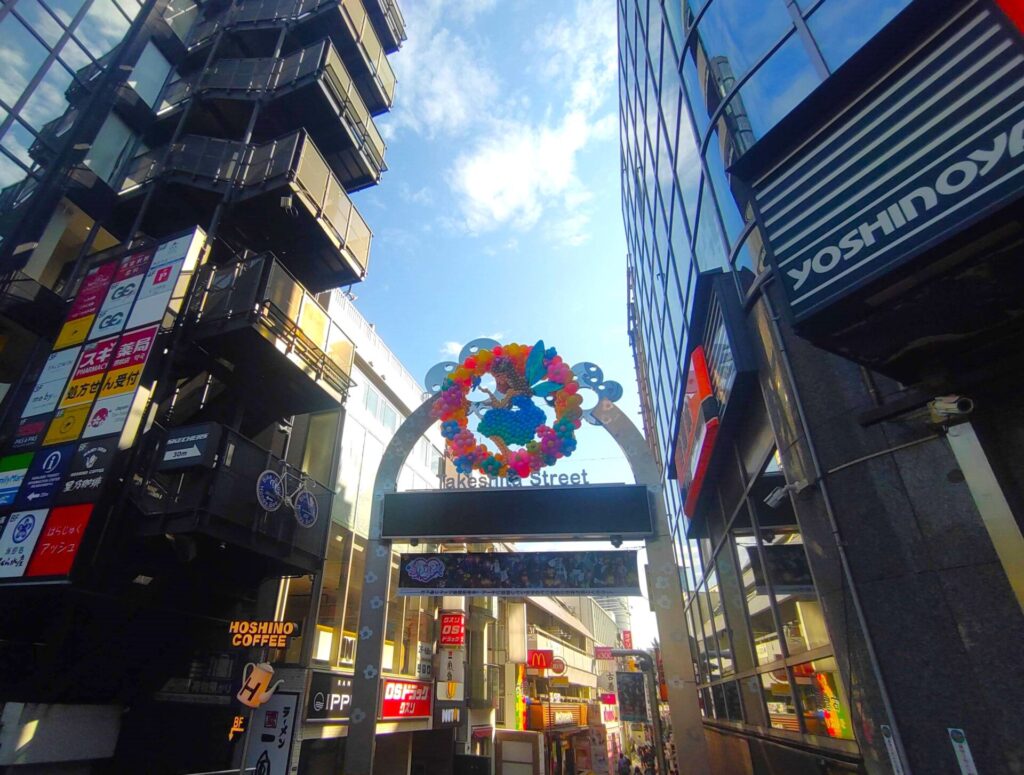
column 934, row 146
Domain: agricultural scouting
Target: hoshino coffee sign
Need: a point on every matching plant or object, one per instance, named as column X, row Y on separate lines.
column 938, row 143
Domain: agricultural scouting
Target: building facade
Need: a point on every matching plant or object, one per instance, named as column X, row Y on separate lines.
column 820, row 200
column 174, row 204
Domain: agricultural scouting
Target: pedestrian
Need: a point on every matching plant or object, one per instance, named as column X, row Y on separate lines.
column 623, row 766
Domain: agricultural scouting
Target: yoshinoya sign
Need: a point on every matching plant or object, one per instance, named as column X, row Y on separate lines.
column 933, row 146
column 329, row 698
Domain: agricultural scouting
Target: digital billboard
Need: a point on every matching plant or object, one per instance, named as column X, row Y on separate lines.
column 519, row 573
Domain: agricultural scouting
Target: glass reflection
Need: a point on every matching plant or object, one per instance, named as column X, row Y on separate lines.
column 826, row 711
column 741, row 31
column 778, row 86
column 840, row 27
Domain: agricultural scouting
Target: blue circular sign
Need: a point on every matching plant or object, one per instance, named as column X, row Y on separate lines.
column 270, row 490
column 306, row 509
column 24, row 528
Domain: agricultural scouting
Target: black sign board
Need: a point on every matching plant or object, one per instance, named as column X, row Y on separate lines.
column 45, row 476
column 89, row 466
column 519, row 573
column 191, row 445
column 934, row 145
column 521, row 513
column 330, row 697
column 448, row 714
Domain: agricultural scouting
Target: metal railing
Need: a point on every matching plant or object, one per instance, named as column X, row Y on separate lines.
column 227, row 491
column 357, row 22
column 264, row 294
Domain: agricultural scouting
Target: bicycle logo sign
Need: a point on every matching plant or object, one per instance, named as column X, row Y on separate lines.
column 271, row 494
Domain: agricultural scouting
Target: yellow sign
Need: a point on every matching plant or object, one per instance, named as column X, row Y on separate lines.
column 121, row 381
column 81, row 391
column 237, row 727
column 67, row 425
column 262, row 633
column 559, row 680
column 74, row 332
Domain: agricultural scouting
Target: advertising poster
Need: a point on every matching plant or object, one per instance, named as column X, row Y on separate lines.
column 30, row 432
column 58, row 544
column 632, row 697
column 271, row 732
column 17, row 541
column 13, row 469
column 88, row 375
column 88, row 468
column 129, row 360
column 108, row 416
column 50, row 385
column 155, row 293
column 66, row 425
column 519, row 573
column 87, row 303
column 113, row 315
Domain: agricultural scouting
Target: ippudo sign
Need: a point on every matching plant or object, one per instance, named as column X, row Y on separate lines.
column 453, row 629
column 405, row 700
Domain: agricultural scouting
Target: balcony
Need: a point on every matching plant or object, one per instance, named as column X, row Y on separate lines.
column 345, row 22
column 388, row 22
column 214, row 502
column 30, row 304
column 255, row 315
column 310, row 88
column 285, row 197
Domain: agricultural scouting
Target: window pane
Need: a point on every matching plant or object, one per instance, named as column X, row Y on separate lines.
column 823, row 700
column 329, row 638
column 778, row 696
column 710, row 249
column 102, row 28
column 352, row 601
column 842, row 26
column 21, row 55
column 728, row 30
column 111, row 142
column 39, row 20
column 790, row 577
column 149, row 74
column 767, row 646
column 47, row 101
column 777, row 87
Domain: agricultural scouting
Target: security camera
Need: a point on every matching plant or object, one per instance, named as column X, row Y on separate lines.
column 945, row 409
column 775, row 498
column 616, row 541
column 414, row 542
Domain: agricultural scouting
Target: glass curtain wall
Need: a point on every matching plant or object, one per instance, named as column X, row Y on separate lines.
column 701, row 81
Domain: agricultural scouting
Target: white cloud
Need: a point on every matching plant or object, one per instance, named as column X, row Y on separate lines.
column 443, row 81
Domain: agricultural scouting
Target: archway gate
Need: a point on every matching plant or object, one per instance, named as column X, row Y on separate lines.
column 663, row 577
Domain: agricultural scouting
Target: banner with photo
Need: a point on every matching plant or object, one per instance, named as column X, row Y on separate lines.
column 632, row 697
column 520, row 573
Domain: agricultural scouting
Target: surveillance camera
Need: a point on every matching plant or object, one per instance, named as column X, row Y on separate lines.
column 775, row 497
column 286, row 202
column 616, row 541
column 944, row 409
column 414, row 542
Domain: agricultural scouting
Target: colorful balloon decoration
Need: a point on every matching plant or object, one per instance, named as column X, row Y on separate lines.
column 511, row 418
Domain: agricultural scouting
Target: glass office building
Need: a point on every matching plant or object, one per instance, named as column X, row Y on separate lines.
column 788, row 498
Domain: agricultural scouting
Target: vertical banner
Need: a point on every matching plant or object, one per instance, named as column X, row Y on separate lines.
column 271, row 733
column 632, row 697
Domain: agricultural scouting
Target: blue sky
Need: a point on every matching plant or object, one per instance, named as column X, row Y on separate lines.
column 500, row 211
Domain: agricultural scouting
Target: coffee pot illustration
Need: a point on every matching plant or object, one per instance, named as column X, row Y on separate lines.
column 256, row 688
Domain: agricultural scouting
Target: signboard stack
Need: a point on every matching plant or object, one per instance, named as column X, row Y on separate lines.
column 85, row 404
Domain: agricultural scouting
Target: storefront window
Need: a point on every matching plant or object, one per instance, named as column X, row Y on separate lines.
column 767, row 647
column 799, row 610
column 328, row 636
column 350, row 624
column 826, row 710
column 727, row 702
column 778, row 697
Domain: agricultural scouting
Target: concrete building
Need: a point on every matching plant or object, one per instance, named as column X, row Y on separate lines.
column 821, row 202
column 174, row 202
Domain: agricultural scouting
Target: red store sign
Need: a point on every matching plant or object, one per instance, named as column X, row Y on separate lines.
column 405, row 699
column 453, row 630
